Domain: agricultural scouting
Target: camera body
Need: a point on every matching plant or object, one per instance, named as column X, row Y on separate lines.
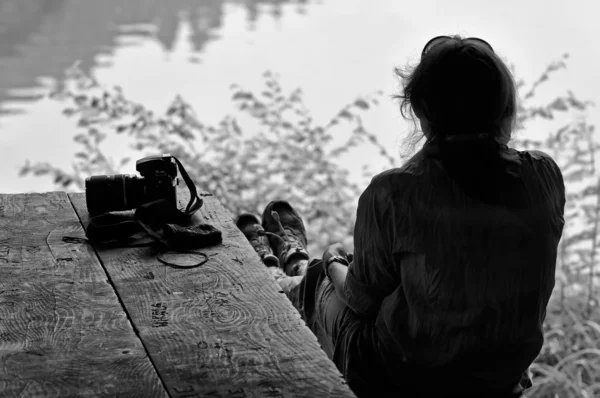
column 120, row 192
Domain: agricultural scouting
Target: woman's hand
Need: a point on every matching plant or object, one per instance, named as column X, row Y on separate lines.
column 336, row 250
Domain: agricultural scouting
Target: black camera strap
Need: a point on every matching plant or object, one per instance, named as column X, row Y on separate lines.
column 161, row 211
column 195, row 202
column 118, row 231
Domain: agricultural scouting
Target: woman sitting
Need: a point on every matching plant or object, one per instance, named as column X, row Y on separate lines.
column 454, row 252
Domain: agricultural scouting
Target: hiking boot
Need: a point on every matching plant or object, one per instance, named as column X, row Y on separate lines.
column 250, row 226
column 286, row 233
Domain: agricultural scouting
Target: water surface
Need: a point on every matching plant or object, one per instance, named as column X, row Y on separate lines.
column 334, row 49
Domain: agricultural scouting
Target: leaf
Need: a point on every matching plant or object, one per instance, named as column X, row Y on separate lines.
column 80, row 99
column 122, row 127
column 575, row 176
column 40, row 171
column 559, row 104
column 362, row 104
column 345, row 114
column 59, row 95
column 242, row 95
column 590, row 191
column 25, row 169
column 69, row 111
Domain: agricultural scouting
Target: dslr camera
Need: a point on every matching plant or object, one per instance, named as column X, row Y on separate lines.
column 119, row 192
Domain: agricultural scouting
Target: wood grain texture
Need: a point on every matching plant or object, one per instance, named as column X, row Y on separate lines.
column 63, row 331
column 223, row 329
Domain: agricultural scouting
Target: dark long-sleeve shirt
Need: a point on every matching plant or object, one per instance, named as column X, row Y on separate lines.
column 453, row 282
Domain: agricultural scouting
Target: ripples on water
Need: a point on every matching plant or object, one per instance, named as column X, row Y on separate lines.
column 39, row 39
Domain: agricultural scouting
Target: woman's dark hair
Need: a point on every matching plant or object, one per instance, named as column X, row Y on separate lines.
column 462, row 88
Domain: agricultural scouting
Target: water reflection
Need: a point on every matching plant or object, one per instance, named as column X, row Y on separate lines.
column 40, row 38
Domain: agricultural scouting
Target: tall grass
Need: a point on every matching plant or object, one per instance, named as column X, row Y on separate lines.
column 569, row 363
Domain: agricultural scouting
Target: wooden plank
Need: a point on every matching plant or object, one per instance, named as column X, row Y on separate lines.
column 63, row 331
column 223, row 329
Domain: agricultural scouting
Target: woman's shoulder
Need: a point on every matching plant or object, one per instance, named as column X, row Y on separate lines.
column 393, row 174
column 536, row 154
column 540, row 161
column 399, row 178
column 392, row 181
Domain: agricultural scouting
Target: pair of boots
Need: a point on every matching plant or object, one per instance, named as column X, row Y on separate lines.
column 279, row 240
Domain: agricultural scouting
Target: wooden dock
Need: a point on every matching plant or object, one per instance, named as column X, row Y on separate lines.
column 77, row 320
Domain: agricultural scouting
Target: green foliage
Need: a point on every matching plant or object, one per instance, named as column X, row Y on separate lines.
column 281, row 153
column 278, row 151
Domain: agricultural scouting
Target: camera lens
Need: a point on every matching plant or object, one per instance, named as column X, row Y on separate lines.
column 117, row 192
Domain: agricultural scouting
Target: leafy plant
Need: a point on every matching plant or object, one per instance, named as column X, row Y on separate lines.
column 280, row 153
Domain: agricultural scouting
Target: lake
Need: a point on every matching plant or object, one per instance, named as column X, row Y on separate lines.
column 334, row 49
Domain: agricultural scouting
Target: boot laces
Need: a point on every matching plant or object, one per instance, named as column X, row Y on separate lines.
column 256, row 242
column 283, row 235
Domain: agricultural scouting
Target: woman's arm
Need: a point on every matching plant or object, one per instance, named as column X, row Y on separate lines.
column 337, row 273
column 373, row 274
column 335, row 262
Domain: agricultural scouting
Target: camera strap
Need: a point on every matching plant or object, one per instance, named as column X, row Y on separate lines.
column 162, row 211
column 195, row 202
